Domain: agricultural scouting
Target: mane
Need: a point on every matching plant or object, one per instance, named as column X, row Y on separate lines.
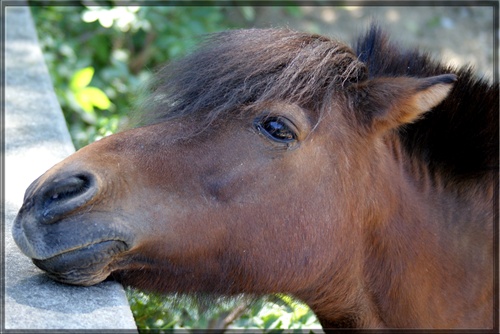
column 236, row 69
column 459, row 138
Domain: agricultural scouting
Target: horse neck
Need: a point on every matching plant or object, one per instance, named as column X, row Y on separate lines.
column 431, row 247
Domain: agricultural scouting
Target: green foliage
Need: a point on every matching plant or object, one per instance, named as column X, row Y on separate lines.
column 122, row 45
column 274, row 313
column 99, row 58
column 156, row 312
column 277, row 313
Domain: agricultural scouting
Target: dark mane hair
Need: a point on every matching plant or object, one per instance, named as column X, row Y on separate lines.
column 459, row 138
column 235, row 69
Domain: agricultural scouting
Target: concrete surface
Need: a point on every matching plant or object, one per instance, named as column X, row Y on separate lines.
column 36, row 137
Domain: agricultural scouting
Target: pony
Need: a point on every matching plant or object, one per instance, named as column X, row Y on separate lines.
column 362, row 181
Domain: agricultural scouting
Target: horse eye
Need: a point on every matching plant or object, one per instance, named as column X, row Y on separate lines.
column 277, row 129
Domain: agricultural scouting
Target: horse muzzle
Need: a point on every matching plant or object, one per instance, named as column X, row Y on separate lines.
column 57, row 228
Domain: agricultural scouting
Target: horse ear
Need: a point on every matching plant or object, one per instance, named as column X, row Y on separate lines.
column 387, row 103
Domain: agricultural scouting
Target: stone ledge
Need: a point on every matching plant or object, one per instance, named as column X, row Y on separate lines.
column 36, row 137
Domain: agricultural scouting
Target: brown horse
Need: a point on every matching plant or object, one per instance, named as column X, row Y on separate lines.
column 361, row 182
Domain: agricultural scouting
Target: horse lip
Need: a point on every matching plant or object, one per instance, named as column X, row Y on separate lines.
column 84, row 265
column 42, row 241
column 124, row 246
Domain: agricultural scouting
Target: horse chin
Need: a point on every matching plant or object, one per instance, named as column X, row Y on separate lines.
column 86, row 265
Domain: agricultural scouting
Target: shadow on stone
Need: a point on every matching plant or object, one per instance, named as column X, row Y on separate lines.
column 28, row 292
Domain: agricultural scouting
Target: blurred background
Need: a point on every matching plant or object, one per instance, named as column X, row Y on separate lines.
column 100, row 58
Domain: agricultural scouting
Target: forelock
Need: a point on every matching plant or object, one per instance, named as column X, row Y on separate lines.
column 237, row 68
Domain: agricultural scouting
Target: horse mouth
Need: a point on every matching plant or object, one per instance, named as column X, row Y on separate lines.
column 87, row 265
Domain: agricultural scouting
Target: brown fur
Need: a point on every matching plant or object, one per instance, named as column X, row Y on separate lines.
column 373, row 214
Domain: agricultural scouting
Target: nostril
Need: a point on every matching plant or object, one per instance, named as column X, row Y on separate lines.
column 64, row 194
column 66, row 189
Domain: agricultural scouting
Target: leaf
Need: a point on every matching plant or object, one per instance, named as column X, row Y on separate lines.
column 97, row 97
column 83, row 101
column 81, row 78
